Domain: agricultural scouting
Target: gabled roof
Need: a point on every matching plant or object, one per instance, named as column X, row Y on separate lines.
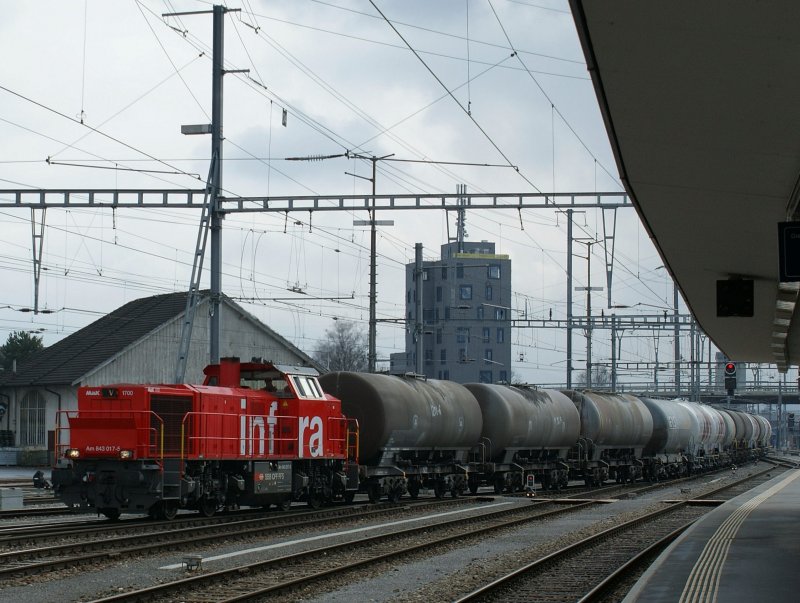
column 70, row 359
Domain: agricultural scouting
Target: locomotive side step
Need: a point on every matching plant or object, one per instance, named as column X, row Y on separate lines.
column 171, row 485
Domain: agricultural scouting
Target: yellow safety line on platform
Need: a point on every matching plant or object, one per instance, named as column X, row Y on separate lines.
column 702, row 584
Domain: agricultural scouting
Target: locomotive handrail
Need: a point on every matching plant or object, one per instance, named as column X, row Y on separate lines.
column 353, row 455
column 141, row 450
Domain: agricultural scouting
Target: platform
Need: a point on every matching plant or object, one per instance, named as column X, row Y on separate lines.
column 746, row 550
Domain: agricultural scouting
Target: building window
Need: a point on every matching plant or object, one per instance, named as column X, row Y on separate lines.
column 428, row 356
column 462, row 335
column 499, row 314
column 485, row 377
column 503, row 376
column 480, row 313
column 446, row 375
column 443, row 356
column 462, row 355
column 459, row 270
column 32, row 427
column 444, row 273
column 424, row 274
column 501, row 335
column 438, row 294
column 494, row 271
column 427, row 315
column 465, row 291
column 447, row 312
column 487, row 355
column 438, row 336
column 488, row 292
column 408, row 296
column 487, row 334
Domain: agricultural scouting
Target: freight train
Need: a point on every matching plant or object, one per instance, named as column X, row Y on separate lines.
column 259, row 434
column 421, row 433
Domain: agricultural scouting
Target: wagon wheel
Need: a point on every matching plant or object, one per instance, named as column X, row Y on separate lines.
column 413, row 489
column 438, row 489
column 394, row 495
column 285, row 504
column 374, row 493
column 207, row 506
column 112, row 513
column 473, row 486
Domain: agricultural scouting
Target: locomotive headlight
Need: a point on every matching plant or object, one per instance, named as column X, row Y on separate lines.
column 72, row 453
column 126, row 455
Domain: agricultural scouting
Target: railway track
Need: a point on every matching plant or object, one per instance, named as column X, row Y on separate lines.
column 313, row 567
column 589, row 569
column 97, row 542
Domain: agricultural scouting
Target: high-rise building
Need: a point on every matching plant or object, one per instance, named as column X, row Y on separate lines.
column 466, row 316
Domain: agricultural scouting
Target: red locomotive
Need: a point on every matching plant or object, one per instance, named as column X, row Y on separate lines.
column 253, row 434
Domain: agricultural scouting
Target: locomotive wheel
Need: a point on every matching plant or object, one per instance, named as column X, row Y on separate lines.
column 285, row 504
column 112, row 513
column 164, row 509
column 207, row 506
column 413, row 489
column 169, row 510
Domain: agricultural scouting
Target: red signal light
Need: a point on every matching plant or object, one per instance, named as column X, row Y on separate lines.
column 730, row 369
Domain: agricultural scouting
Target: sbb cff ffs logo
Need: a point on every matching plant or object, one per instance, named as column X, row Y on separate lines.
column 730, row 377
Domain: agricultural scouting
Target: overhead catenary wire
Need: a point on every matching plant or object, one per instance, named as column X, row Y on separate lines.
column 443, row 85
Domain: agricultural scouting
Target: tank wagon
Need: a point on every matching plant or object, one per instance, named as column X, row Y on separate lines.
column 615, row 428
column 526, row 432
column 674, row 427
column 253, row 434
column 418, row 433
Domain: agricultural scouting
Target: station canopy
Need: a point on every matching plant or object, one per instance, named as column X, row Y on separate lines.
column 701, row 102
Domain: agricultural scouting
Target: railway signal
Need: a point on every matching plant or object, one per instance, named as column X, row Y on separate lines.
column 730, row 377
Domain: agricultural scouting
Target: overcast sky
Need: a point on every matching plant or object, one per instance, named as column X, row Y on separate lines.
column 499, row 82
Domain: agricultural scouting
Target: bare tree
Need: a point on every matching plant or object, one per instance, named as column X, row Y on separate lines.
column 601, row 376
column 344, row 348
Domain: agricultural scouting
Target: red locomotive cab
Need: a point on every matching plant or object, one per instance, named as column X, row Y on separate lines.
column 273, row 411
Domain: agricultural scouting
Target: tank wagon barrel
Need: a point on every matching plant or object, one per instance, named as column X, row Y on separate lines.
column 415, row 432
